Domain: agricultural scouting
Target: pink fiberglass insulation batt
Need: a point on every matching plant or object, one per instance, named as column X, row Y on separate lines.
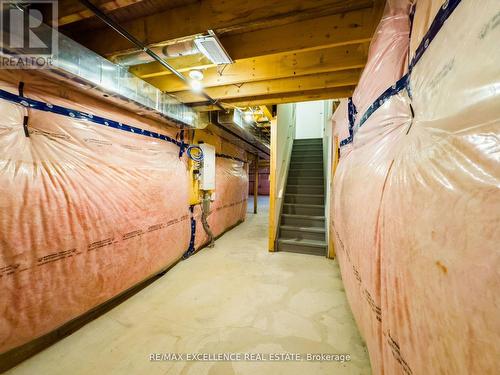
column 444, row 190
column 424, row 14
column 360, row 176
column 416, row 207
column 340, row 126
column 387, row 55
column 87, row 211
column 358, row 188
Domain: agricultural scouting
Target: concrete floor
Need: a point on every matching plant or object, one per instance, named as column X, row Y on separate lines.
column 236, row 297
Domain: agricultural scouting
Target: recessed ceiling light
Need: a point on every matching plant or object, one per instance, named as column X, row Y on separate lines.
column 248, row 116
column 196, row 75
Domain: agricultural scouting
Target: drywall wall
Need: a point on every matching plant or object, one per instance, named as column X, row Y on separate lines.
column 282, row 136
column 310, row 120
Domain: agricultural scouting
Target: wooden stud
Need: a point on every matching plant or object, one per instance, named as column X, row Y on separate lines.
column 272, row 187
column 335, row 162
column 256, row 184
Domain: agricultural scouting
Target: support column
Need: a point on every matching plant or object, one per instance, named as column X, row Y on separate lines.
column 256, row 184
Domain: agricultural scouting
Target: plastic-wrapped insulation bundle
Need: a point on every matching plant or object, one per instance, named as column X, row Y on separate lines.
column 417, row 202
column 340, row 127
column 229, row 207
column 89, row 204
column 440, row 215
column 387, row 56
column 360, row 175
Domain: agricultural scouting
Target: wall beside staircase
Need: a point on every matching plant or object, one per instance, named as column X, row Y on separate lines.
column 310, row 120
column 282, row 136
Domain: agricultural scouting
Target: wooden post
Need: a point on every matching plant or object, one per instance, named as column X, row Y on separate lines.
column 256, row 184
column 335, row 162
column 272, row 186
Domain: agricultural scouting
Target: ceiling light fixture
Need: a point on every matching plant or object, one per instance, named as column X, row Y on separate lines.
column 196, row 75
column 196, row 86
column 248, row 117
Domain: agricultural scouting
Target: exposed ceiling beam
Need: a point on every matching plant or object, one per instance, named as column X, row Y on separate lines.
column 331, row 30
column 181, row 63
column 72, row 11
column 266, row 112
column 262, row 68
column 293, row 97
column 276, row 86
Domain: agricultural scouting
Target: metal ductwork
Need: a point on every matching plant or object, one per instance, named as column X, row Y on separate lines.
column 84, row 68
column 184, row 48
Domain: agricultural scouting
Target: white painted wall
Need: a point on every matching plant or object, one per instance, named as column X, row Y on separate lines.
column 310, row 120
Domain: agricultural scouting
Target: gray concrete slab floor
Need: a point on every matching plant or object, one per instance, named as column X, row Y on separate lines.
column 234, row 298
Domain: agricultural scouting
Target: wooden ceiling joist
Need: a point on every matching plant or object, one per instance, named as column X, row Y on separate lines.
column 181, row 64
column 292, row 97
column 262, row 68
column 72, row 11
column 327, row 31
column 283, row 50
column 276, row 86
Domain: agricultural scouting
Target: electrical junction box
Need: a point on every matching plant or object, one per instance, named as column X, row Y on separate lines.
column 207, row 172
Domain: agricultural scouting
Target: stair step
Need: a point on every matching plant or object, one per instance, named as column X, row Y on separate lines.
column 309, row 181
column 305, row 198
column 303, row 209
column 317, row 148
column 303, row 220
column 307, row 141
column 300, row 233
column 302, row 169
column 306, row 164
column 305, row 148
column 306, row 157
column 308, row 152
column 304, row 189
column 305, row 173
column 309, row 144
column 309, row 156
column 303, row 246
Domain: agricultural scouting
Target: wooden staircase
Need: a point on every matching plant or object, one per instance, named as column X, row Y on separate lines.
column 302, row 222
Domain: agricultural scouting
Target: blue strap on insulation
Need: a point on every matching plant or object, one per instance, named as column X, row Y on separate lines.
column 442, row 15
column 403, row 83
column 191, row 247
column 393, row 90
column 351, row 116
column 62, row 111
column 183, row 145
